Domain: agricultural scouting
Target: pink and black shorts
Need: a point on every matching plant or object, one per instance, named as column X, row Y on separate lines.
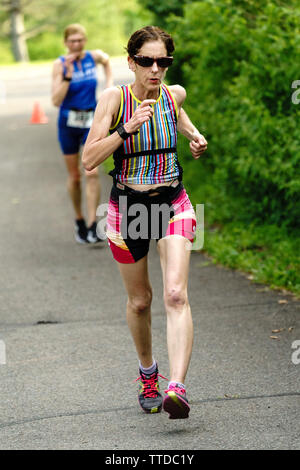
column 136, row 217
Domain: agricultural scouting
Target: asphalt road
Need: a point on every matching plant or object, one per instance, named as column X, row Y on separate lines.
column 70, row 364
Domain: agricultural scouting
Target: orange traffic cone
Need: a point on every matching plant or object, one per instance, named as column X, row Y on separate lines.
column 38, row 116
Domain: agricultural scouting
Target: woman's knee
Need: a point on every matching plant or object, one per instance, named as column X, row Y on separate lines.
column 74, row 178
column 140, row 303
column 175, row 297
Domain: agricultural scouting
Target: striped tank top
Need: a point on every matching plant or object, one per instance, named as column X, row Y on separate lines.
column 150, row 157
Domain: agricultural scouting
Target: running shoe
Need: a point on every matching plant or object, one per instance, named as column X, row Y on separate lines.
column 81, row 231
column 149, row 396
column 92, row 234
column 176, row 402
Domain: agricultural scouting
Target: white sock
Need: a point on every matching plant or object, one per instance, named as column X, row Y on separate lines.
column 148, row 370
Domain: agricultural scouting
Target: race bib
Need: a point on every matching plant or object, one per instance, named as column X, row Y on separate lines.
column 81, row 119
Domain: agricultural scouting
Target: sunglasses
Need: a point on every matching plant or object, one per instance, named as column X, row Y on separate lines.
column 145, row 61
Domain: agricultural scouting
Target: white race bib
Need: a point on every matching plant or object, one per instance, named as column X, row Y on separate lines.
column 81, row 119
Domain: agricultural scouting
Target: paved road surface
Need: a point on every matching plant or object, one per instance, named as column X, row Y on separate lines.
column 68, row 381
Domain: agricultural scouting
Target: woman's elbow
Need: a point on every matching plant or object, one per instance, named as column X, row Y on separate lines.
column 89, row 167
column 86, row 162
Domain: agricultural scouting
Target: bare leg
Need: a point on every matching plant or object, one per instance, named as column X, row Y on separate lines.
column 174, row 257
column 74, row 183
column 136, row 281
column 92, row 194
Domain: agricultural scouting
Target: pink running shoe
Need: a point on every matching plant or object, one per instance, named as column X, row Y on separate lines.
column 176, row 402
column 149, row 396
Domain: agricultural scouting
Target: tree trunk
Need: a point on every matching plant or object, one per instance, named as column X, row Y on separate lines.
column 18, row 40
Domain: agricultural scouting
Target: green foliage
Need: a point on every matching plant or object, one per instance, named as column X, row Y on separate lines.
column 238, row 78
column 108, row 25
column 161, row 12
column 163, row 9
column 270, row 254
column 48, row 46
column 6, row 56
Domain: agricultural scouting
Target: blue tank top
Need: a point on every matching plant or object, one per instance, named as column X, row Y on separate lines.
column 82, row 89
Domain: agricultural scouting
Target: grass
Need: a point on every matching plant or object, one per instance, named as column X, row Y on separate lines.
column 268, row 253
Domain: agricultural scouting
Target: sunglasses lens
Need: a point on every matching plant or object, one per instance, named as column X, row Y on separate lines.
column 144, row 61
column 165, row 62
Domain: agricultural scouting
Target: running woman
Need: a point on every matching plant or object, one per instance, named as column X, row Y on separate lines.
column 74, row 83
column 143, row 119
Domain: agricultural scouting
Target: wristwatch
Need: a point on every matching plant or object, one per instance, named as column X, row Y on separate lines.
column 66, row 79
column 122, row 133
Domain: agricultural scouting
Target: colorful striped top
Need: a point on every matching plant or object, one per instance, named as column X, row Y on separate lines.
column 150, row 157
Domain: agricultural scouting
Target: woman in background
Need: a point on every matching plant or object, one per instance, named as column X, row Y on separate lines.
column 74, row 83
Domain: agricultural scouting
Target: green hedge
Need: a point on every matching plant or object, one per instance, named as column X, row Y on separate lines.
column 238, row 74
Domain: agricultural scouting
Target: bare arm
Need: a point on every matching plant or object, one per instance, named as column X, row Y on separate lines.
column 198, row 143
column 99, row 146
column 108, row 74
column 185, row 125
column 102, row 58
column 59, row 86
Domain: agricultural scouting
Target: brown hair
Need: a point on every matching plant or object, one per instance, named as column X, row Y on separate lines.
column 149, row 33
column 74, row 28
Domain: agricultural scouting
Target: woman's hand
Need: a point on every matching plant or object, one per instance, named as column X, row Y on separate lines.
column 69, row 64
column 198, row 145
column 142, row 114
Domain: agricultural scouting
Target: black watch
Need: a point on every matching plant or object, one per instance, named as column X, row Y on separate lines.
column 66, row 79
column 122, row 133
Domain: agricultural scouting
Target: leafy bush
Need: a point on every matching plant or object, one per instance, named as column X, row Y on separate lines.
column 45, row 46
column 108, row 25
column 238, row 70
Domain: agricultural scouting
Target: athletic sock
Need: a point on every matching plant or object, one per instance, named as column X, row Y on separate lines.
column 149, row 370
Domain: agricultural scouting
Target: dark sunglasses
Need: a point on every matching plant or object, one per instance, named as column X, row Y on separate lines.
column 145, row 61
